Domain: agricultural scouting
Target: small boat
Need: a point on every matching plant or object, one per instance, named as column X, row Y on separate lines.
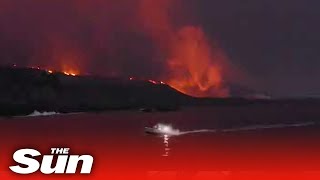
column 153, row 131
column 161, row 129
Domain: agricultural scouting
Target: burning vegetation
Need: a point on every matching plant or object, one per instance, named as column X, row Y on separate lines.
column 155, row 82
column 70, row 72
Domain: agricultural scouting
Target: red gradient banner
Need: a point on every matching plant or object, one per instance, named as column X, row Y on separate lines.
column 124, row 153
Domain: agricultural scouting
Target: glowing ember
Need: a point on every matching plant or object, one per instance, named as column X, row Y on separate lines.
column 70, row 73
column 149, row 80
column 152, row 81
column 67, row 70
column 33, row 67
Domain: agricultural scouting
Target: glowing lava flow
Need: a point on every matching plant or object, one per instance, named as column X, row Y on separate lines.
column 70, row 70
column 149, row 80
column 69, row 73
column 153, row 82
column 49, row 71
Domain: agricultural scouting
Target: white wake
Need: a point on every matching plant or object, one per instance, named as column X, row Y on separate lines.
column 247, row 128
column 37, row 113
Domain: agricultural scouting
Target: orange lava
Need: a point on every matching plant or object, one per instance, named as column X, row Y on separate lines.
column 148, row 80
column 67, row 71
column 70, row 70
column 71, row 73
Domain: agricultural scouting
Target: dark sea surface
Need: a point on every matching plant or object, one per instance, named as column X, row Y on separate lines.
column 222, row 141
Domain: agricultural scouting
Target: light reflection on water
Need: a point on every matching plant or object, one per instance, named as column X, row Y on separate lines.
column 109, row 136
column 166, row 146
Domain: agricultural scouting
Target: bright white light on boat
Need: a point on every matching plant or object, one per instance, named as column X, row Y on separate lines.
column 166, row 129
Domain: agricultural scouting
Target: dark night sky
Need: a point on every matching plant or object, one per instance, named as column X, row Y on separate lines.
column 275, row 42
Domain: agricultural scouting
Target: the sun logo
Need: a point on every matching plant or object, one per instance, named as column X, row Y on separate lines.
column 65, row 163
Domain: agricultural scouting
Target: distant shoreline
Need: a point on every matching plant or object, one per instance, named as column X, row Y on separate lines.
column 27, row 90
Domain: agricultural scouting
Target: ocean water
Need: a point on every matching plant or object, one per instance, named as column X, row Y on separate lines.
column 222, row 140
